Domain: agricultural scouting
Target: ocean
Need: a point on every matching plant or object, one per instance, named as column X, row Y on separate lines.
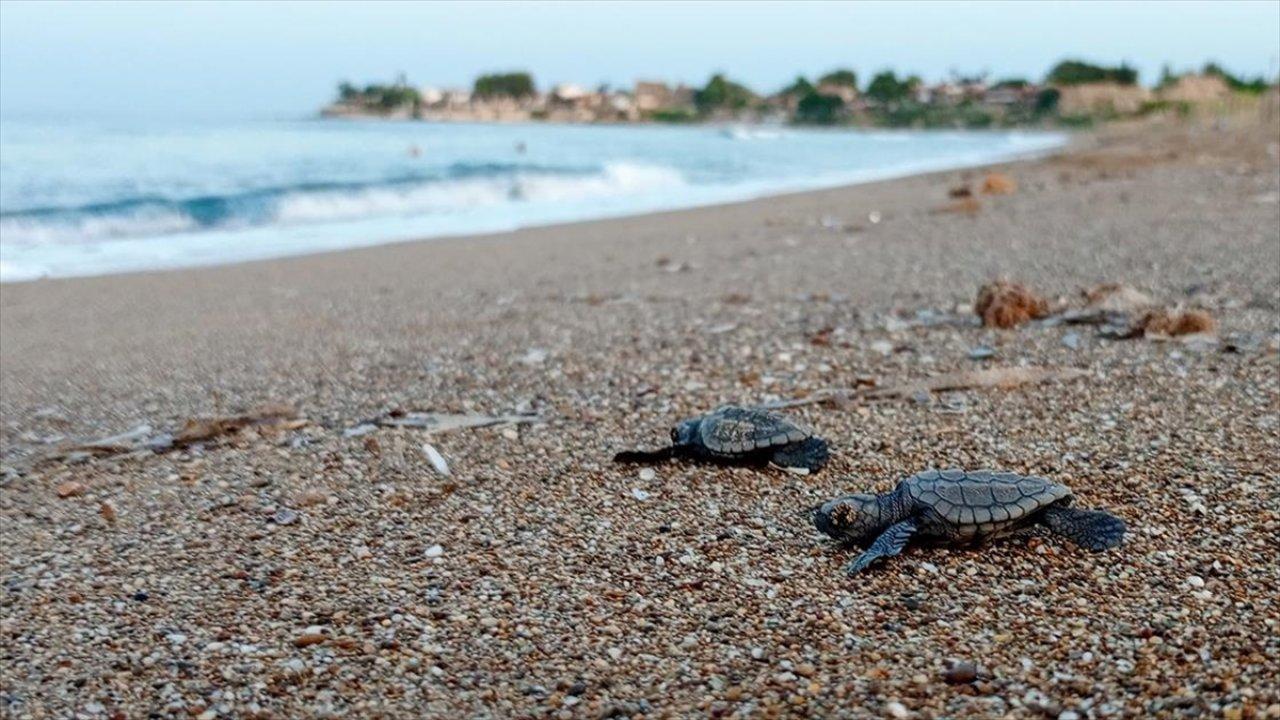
column 98, row 198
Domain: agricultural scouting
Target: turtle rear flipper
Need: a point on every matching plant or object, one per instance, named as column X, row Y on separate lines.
column 809, row 453
column 1090, row 529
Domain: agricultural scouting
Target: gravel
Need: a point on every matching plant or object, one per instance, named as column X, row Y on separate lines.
column 539, row 579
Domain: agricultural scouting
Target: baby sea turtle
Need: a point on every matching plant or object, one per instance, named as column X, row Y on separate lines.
column 961, row 508
column 732, row 434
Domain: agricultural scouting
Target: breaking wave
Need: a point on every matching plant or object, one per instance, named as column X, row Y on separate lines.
column 458, row 187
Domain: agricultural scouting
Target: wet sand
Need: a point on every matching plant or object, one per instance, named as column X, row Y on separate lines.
column 301, row 572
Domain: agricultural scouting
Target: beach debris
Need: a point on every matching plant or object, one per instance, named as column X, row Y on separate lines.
column 998, row 184
column 437, row 460
column 358, row 430
column 1005, row 304
column 71, row 488
column 639, row 494
column 1001, row 378
column 963, row 206
column 1116, row 298
column 874, row 217
column 134, row 439
column 982, row 352
column 108, row 511
column 1175, row 323
column 273, row 416
column 447, row 422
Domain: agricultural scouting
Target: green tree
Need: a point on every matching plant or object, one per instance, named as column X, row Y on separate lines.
column 885, row 87
column 819, row 109
column 1255, row 86
column 347, row 92
column 721, row 93
column 1075, row 72
column 1015, row 83
column 512, row 84
column 800, row 87
column 840, row 76
column 1047, row 101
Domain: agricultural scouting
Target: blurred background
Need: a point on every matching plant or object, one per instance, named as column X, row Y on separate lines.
column 145, row 135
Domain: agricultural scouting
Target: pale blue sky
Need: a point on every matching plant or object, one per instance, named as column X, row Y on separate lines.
column 282, row 59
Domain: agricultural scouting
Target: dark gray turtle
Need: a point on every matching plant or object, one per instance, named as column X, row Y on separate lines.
column 956, row 507
column 732, row 434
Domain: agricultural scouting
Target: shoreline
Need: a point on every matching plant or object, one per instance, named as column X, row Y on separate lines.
column 274, row 244
column 335, row 573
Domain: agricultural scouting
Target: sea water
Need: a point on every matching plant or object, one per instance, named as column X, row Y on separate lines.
column 97, row 198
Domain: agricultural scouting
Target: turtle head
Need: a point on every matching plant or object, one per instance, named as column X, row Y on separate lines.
column 851, row 518
column 686, row 433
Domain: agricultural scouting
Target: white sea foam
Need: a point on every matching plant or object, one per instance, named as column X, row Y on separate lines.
column 268, row 190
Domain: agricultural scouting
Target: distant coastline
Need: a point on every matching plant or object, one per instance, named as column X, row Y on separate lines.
column 1073, row 94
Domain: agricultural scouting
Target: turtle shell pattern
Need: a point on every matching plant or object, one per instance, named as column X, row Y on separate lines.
column 980, row 503
column 733, row 431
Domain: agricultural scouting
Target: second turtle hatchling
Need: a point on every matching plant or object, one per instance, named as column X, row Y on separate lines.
column 956, row 507
column 740, row 435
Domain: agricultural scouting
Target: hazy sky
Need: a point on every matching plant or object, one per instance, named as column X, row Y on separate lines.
column 283, row 59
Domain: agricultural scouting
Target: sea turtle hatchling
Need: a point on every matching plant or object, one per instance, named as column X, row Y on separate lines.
column 958, row 507
column 732, row 434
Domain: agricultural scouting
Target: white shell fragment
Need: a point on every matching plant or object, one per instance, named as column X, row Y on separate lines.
column 437, row 460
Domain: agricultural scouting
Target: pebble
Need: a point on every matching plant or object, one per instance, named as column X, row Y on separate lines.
column 960, row 673
column 71, row 488
column 434, row 551
column 308, row 639
column 884, row 347
column 284, row 516
column 639, row 494
column 648, row 474
column 982, row 352
column 895, row 709
column 1195, row 581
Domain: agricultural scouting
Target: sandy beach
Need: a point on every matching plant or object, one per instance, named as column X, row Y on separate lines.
column 303, row 570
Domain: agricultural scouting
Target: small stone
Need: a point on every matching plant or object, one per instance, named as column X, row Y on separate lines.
column 884, row 347
column 960, row 673
column 982, row 352
column 71, row 488
column 1195, row 581
column 1071, row 340
column 535, row 356
column 435, row 551
column 308, row 639
column 284, row 516
column 639, row 494
column 1068, row 715
column 648, row 474
column 107, row 511
column 895, row 709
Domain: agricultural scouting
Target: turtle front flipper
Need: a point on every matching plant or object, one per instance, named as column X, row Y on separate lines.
column 810, row 453
column 890, row 543
column 645, row 456
column 1090, row 529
